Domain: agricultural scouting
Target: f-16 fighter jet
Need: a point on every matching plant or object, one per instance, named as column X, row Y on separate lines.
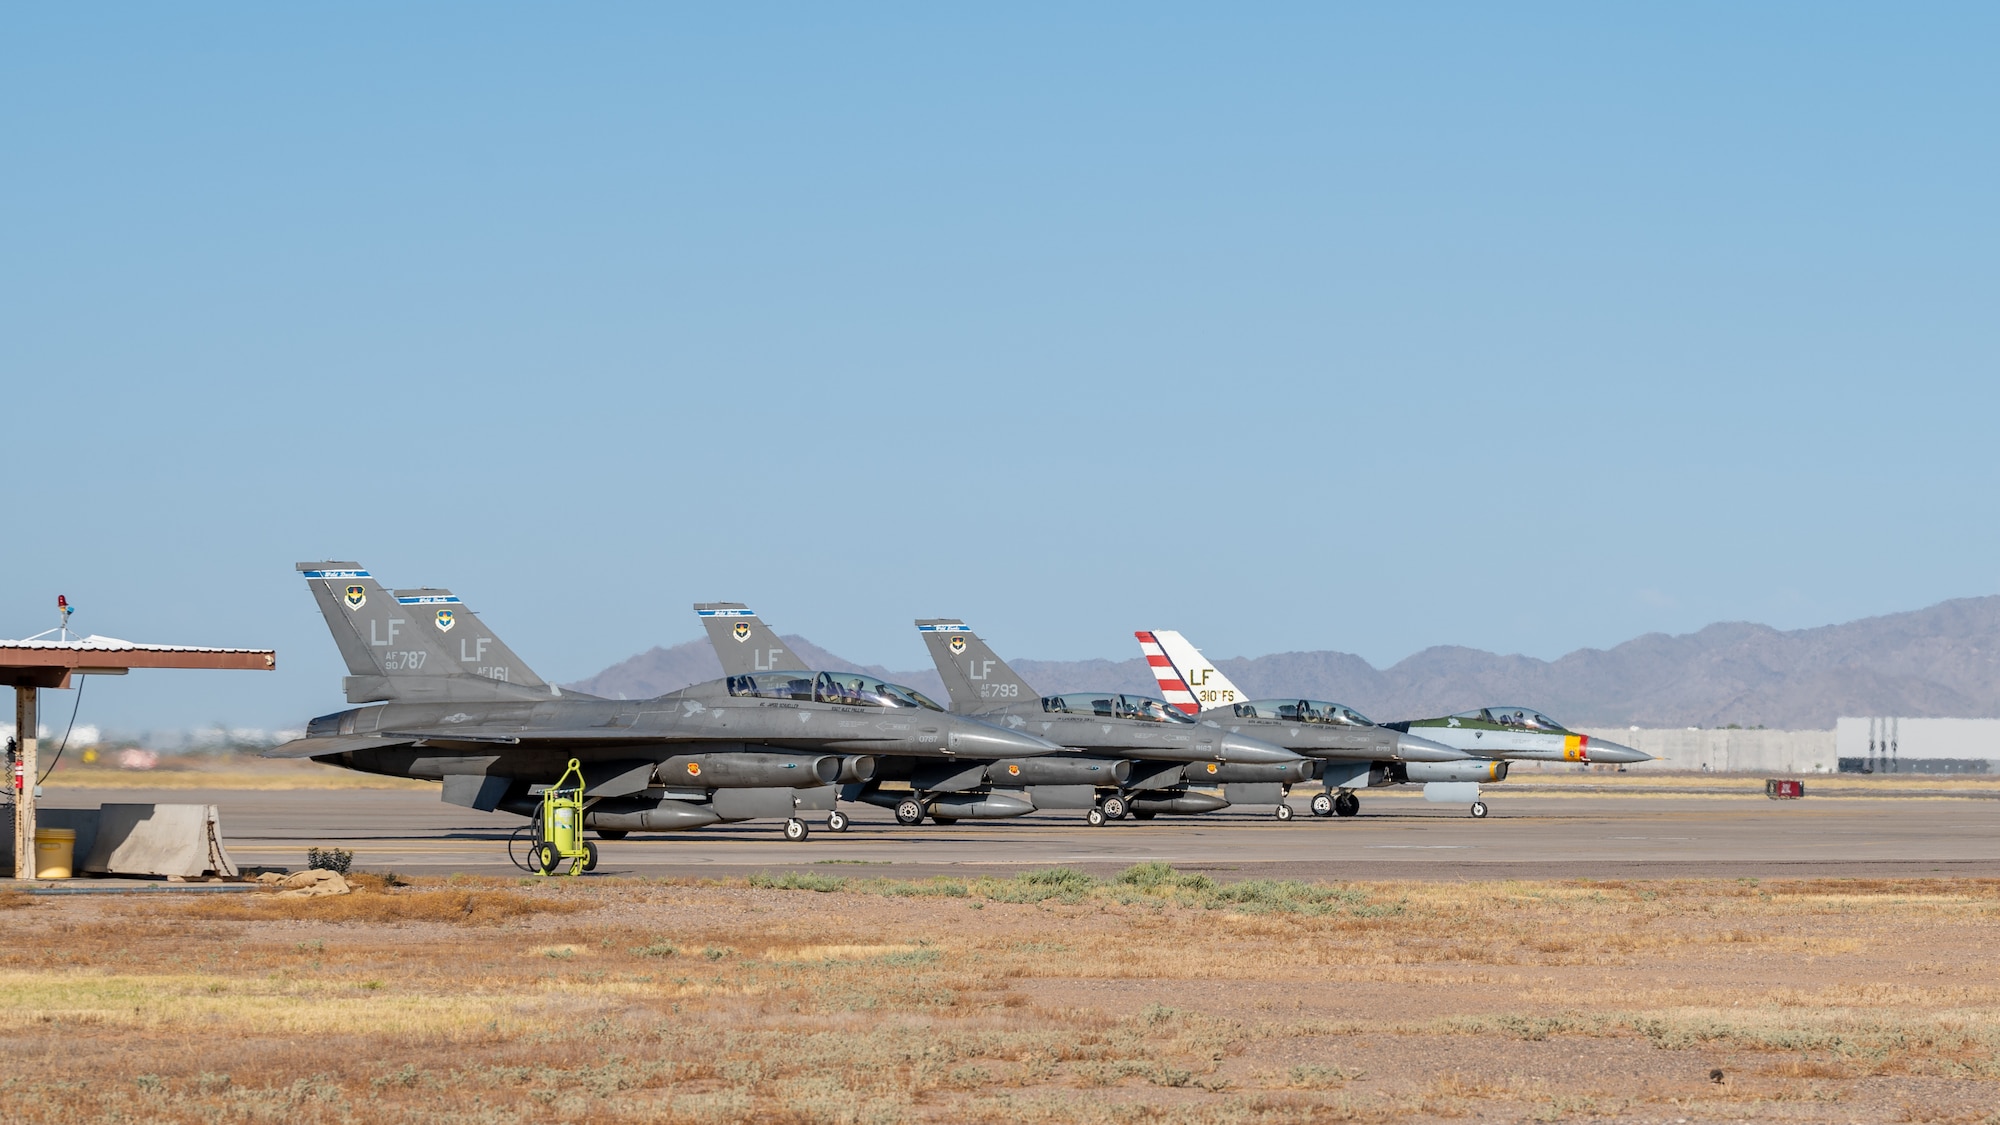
column 1358, row 754
column 1170, row 751
column 946, row 791
column 1519, row 734
column 460, row 708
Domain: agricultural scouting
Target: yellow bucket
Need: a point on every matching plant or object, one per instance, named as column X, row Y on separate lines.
column 55, row 852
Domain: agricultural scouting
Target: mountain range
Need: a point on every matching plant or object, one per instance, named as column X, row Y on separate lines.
column 1940, row 662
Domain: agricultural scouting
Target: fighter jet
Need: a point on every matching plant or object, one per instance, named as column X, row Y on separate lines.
column 463, row 710
column 946, row 791
column 1520, row 734
column 1170, row 751
column 1358, row 754
column 1498, row 735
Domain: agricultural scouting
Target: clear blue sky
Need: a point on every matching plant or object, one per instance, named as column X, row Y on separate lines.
column 1524, row 327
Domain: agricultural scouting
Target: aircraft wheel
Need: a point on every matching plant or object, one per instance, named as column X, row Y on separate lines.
column 1322, row 804
column 1479, row 810
column 836, row 821
column 910, row 811
column 1095, row 816
column 1114, row 807
column 796, row 830
column 547, row 858
column 1284, row 812
column 611, row 833
column 1347, row 804
column 589, row 856
column 1136, row 815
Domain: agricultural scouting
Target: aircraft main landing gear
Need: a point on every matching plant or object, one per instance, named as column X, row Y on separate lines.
column 836, row 821
column 909, row 812
column 1284, row 811
column 796, row 830
column 1095, row 817
column 1347, row 804
column 1479, row 810
column 1322, row 804
column 1114, row 807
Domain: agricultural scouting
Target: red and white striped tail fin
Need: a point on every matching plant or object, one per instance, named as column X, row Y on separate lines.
column 1188, row 679
column 1173, row 688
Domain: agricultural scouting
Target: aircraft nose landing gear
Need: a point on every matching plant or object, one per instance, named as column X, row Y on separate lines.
column 796, row 830
column 1479, row 810
column 836, row 821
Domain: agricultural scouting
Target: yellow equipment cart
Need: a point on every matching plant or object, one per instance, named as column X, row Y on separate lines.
column 562, row 826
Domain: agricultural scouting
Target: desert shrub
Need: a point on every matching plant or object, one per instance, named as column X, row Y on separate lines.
column 336, row 860
column 797, row 881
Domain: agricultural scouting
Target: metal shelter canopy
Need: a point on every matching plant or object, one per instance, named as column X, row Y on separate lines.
column 30, row 665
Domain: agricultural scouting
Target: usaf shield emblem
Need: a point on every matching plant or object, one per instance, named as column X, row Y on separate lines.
column 357, row 596
column 446, row 619
column 742, row 630
column 958, row 646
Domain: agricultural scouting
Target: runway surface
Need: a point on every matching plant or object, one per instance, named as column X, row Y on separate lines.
column 1528, row 836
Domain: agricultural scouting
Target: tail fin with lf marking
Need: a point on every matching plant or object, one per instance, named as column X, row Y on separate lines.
column 466, row 640
column 743, row 643
column 389, row 653
column 1188, row 680
column 975, row 678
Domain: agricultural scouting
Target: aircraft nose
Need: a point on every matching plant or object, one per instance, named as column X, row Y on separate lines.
column 1611, row 753
column 1242, row 748
column 1410, row 748
column 973, row 739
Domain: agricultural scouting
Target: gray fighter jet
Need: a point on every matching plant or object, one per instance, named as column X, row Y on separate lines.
column 462, row 709
column 1171, row 753
column 946, row 791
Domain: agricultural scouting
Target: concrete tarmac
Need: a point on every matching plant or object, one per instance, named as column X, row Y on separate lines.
column 1397, row 836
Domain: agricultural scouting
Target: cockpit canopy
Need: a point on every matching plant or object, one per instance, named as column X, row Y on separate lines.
column 1107, row 706
column 850, row 689
column 1303, row 711
column 1520, row 717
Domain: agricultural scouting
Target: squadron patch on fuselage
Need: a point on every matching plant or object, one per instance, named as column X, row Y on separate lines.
column 357, row 596
column 742, row 630
column 446, row 620
column 694, row 769
column 958, row 646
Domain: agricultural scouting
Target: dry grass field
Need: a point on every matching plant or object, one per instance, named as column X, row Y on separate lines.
column 1052, row 996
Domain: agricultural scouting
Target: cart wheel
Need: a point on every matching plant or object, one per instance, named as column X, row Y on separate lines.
column 589, row 856
column 1284, row 812
column 1095, row 816
column 836, row 821
column 547, row 858
column 795, row 830
column 1347, row 804
column 1322, row 804
column 910, row 811
column 1114, row 807
column 1479, row 810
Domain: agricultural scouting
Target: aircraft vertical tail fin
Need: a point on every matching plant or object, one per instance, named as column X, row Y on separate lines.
column 743, row 643
column 976, row 679
column 1188, row 680
column 383, row 649
column 391, row 652
column 466, row 640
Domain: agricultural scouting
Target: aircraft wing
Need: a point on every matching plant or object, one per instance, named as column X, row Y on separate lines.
column 316, row 747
